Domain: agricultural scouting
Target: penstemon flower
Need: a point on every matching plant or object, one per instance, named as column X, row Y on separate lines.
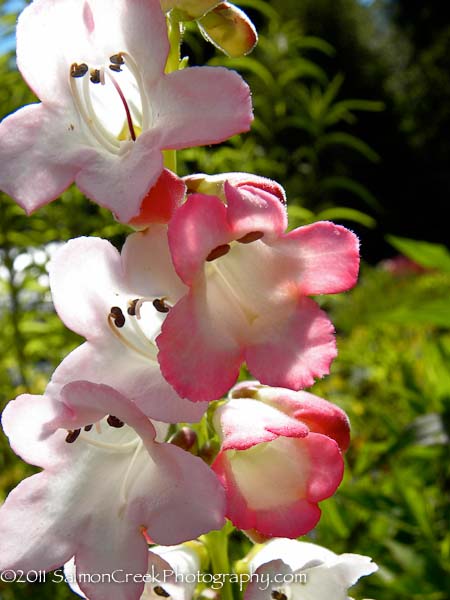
column 108, row 109
column 249, row 283
column 274, row 468
column 106, row 486
column 118, row 302
column 309, row 571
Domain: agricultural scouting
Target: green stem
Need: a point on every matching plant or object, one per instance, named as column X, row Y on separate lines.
column 217, row 545
column 175, row 33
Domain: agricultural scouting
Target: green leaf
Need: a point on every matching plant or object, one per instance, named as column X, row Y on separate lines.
column 345, row 183
column 432, row 256
column 302, row 68
column 340, row 138
column 347, row 214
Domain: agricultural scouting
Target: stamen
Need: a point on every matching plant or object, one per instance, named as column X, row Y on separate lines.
column 137, row 76
column 78, row 70
column 88, row 427
column 160, row 591
column 72, row 436
column 86, row 110
column 95, row 76
column 116, row 68
column 119, row 448
column 114, row 421
column 117, row 316
column 132, row 308
column 218, row 252
column 123, row 339
column 251, row 237
column 160, row 305
column 117, row 59
column 276, row 595
column 123, row 489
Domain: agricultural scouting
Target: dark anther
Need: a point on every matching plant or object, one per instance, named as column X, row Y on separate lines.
column 160, row 591
column 72, row 436
column 160, row 305
column 95, row 76
column 276, row 595
column 218, row 252
column 88, row 427
column 117, row 59
column 132, row 308
column 116, row 68
column 78, row 70
column 251, row 237
column 117, row 316
column 114, row 422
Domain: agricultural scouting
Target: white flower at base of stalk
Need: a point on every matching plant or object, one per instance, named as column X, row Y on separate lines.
column 291, row 570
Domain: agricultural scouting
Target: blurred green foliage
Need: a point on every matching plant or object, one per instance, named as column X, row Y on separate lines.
column 391, row 375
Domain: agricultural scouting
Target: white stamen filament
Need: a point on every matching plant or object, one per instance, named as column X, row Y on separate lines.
column 89, row 117
column 109, row 138
column 123, row 488
column 138, row 78
column 127, row 342
column 120, row 448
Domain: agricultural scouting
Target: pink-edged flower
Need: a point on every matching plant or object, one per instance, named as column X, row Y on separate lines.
column 118, row 302
column 108, row 109
column 106, row 485
column 249, row 283
column 274, row 468
column 172, row 573
column 293, row 570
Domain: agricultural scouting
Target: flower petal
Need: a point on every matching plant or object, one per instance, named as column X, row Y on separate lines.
column 53, row 35
column 290, row 518
column 51, row 161
column 297, row 351
column 84, row 274
column 148, row 267
column 37, row 506
column 121, row 182
column 244, row 423
column 318, row 414
column 251, row 209
column 196, row 355
column 200, row 105
column 197, row 227
column 161, row 201
column 327, row 255
column 109, row 362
